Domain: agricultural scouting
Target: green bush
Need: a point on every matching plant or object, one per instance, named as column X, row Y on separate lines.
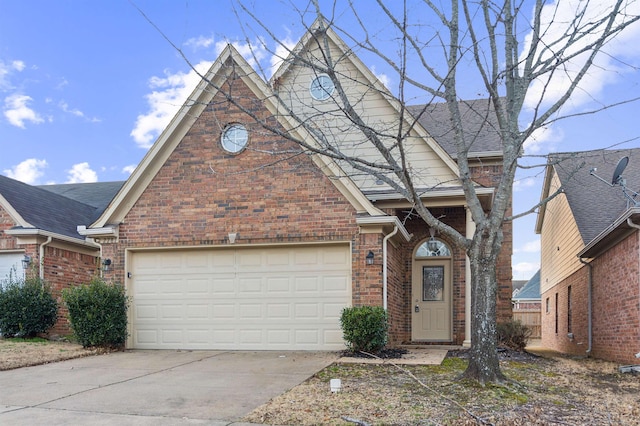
column 364, row 328
column 513, row 334
column 26, row 307
column 98, row 313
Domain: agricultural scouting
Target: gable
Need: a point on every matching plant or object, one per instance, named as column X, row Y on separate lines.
column 269, row 190
column 430, row 165
column 229, row 66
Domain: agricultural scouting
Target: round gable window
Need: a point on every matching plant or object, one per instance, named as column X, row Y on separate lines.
column 322, row 87
column 234, row 138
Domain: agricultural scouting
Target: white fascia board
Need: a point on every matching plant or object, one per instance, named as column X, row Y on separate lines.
column 429, row 194
column 384, row 220
column 107, row 231
column 15, row 216
column 34, row 232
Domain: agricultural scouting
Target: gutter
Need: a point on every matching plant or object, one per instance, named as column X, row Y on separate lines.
column 385, row 267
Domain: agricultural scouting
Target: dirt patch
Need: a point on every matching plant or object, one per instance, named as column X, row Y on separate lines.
column 17, row 353
column 548, row 389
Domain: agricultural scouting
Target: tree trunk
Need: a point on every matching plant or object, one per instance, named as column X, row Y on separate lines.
column 484, row 365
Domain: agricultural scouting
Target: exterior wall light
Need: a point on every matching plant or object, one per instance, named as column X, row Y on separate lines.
column 369, row 258
column 432, row 243
column 26, row 261
column 105, row 264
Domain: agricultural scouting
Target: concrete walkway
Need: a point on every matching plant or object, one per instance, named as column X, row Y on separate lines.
column 153, row 387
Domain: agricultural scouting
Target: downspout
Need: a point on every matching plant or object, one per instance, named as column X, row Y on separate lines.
column 385, row 267
column 589, row 304
column 41, row 254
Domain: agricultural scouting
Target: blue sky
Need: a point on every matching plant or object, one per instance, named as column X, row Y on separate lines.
column 86, row 87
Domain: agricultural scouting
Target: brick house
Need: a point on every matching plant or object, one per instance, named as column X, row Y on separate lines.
column 39, row 224
column 590, row 264
column 229, row 236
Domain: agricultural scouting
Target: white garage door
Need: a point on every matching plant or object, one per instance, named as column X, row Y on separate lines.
column 11, row 263
column 241, row 298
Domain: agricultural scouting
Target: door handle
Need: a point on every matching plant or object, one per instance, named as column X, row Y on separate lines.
column 417, row 308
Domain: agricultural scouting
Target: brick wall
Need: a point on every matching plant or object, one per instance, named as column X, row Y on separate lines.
column 63, row 269
column 615, row 307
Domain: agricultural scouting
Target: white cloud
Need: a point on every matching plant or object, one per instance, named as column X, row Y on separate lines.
column 81, row 173
column 384, row 79
column 73, row 111
column 169, row 94
column 543, row 139
column 558, row 17
column 129, row 169
column 6, row 69
column 281, row 53
column 525, row 270
column 529, row 247
column 29, row 171
column 200, row 42
column 17, row 111
column 523, row 184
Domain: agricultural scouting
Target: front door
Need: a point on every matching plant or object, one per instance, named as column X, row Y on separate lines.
column 431, row 300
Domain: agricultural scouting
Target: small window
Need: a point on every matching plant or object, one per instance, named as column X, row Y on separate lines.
column 433, row 248
column 234, row 138
column 547, row 308
column 322, row 87
column 569, row 313
column 556, row 307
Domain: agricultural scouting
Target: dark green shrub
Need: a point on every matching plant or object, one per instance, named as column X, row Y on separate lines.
column 98, row 313
column 513, row 334
column 26, row 307
column 364, row 328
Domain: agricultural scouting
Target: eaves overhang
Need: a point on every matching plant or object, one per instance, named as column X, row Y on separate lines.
column 612, row 235
column 20, row 232
column 386, row 224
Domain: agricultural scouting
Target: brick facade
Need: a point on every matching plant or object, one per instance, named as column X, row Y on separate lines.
column 615, row 307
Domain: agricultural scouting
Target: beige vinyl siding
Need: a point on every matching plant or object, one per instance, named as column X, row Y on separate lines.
column 428, row 168
column 560, row 241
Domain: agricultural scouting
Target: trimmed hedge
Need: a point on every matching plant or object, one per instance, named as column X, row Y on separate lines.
column 365, row 328
column 26, row 307
column 98, row 313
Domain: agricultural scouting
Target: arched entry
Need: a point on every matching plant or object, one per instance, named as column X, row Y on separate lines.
column 431, row 295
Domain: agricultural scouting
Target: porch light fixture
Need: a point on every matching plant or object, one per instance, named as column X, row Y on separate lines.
column 432, row 243
column 26, row 261
column 105, row 264
column 369, row 258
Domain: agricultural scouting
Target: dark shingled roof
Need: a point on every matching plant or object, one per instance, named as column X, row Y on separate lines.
column 594, row 204
column 50, row 211
column 96, row 194
column 479, row 119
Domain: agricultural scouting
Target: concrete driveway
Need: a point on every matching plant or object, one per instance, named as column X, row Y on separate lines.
column 153, row 387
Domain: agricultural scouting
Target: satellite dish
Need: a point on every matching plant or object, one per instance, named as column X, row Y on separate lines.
column 617, row 173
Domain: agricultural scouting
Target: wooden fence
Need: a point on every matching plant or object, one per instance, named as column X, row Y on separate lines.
column 531, row 318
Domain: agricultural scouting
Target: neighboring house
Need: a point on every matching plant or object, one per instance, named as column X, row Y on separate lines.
column 526, row 305
column 39, row 225
column 590, row 262
column 226, row 240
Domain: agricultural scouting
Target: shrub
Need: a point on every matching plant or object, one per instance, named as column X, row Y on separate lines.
column 26, row 307
column 364, row 328
column 513, row 334
column 98, row 313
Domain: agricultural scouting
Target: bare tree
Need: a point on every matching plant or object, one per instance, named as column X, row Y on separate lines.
column 480, row 42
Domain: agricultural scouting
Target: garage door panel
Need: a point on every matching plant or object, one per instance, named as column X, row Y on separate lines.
column 240, row 298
